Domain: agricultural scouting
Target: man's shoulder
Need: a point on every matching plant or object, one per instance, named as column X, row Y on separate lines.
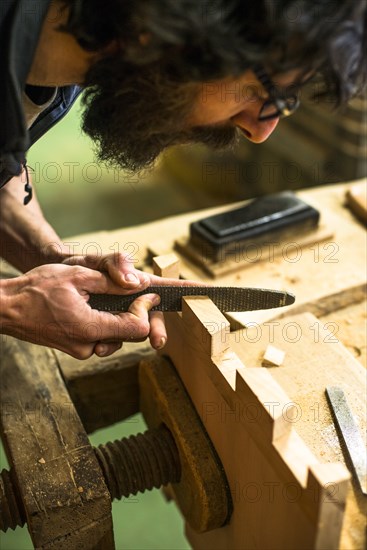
column 20, row 25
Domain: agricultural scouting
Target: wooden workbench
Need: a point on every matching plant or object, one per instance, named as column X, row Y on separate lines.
column 328, row 280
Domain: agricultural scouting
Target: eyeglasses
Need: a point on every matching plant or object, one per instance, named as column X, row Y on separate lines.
column 279, row 105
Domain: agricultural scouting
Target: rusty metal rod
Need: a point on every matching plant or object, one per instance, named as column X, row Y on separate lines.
column 139, row 462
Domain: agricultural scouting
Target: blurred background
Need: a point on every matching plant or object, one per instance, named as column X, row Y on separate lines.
column 314, row 147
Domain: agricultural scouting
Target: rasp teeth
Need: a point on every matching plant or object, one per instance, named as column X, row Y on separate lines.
column 225, row 298
column 289, row 299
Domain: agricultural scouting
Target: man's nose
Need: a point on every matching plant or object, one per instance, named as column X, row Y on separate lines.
column 253, row 129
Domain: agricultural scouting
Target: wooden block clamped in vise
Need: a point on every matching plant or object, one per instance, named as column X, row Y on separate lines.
column 283, row 496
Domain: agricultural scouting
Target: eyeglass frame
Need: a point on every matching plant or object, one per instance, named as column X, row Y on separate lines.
column 282, row 103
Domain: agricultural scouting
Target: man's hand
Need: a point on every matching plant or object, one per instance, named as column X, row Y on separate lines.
column 119, row 267
column 48, row 306
column 29, row 307
column 121, row 270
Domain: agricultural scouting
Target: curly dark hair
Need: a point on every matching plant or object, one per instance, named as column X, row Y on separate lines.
column 201, row 40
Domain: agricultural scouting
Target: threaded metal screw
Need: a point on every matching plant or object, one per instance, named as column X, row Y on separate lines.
column 139, row 462
column 129, row 465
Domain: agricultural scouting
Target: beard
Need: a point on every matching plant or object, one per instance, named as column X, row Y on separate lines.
column 133, row 113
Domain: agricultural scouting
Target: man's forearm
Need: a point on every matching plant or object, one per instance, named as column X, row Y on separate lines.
column 26, row 238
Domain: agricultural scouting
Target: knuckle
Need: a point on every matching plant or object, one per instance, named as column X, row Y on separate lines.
column 78, row 272
column 122, row 257
column 113, row 348
column 143, row 329
column 139, row 329
column 82, row 354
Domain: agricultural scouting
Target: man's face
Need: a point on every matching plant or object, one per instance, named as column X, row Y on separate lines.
column 135, row 113
column 237, row 103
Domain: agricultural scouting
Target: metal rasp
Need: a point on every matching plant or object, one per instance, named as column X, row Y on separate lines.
column 350, row 433
column 225, row 298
